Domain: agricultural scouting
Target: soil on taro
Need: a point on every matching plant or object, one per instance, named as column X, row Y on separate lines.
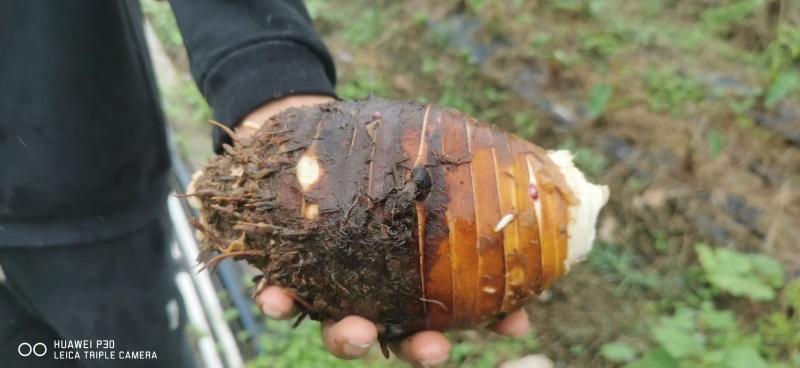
column 683, row 164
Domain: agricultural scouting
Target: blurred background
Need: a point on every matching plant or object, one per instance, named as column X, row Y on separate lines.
column 688, row 109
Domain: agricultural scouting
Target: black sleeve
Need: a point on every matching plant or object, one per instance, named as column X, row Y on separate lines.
column 244, row 53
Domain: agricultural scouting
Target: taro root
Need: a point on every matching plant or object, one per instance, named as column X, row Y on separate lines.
column 410, row 215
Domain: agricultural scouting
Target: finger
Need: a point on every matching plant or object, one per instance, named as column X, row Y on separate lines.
column 425, row 349
column 516, row 324
column 275, row 304
column 349, row 338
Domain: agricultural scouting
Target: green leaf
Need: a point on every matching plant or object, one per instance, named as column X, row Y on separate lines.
column 743, row 285
column 739, row 274
column 677, row 342
column 743, row 357
column 706, row 256
column 677, row 334
column 656, row 358
column 618, row 352
column 715, row 141
column 780, row 87
column 769, row 268
column 683, row 319
column 714, row 319
column 598, row 100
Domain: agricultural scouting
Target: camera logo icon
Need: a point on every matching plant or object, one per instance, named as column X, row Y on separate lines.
column 25, row 349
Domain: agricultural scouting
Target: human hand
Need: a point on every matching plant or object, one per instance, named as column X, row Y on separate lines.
column 254, row 120
column 353, row 336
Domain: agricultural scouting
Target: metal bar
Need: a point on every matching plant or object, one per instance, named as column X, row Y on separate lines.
column 194, row 312
column 207, row 293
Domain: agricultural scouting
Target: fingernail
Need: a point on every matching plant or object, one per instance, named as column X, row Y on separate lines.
column 355, row 349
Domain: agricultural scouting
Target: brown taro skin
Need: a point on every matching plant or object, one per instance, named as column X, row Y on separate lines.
column 390, row 210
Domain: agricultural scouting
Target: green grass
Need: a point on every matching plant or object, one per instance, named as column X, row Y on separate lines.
column 669, row 90
column 360, row 85
column 706, row 335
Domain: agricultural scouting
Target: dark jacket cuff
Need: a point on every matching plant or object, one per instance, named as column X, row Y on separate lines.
column 257, row 74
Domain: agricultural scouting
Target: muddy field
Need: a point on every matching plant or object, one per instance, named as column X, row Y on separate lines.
column 687, row 109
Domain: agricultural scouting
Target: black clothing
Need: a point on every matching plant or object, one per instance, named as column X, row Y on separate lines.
column 121, row 289
column 83, row 154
